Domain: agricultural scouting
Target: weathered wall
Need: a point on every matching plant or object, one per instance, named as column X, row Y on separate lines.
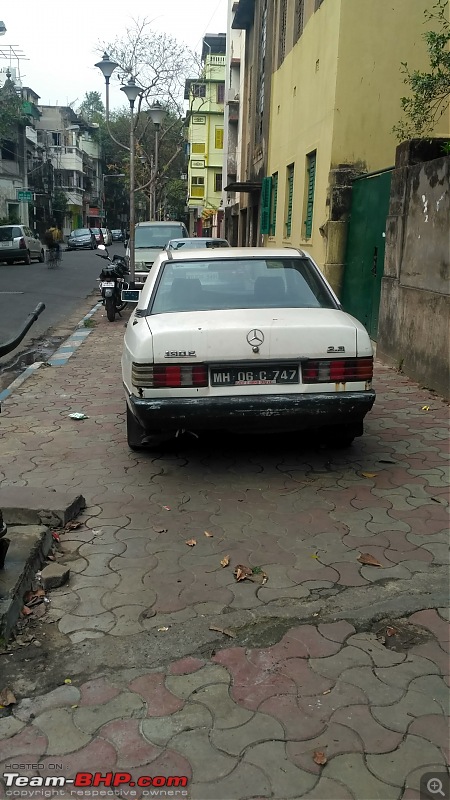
column 414, row 320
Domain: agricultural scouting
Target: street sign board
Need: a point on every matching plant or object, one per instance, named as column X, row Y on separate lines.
column 24, row 196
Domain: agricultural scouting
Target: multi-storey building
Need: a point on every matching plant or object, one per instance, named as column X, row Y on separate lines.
column 205, row 123
column 234, row 84
column 70, row 143
column 336, row 84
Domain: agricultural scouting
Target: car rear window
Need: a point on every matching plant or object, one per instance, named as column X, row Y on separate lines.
column 156, row 235
column 239, row 283
column 9, row 233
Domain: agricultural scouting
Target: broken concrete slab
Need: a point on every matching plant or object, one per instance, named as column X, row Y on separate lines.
column 54, row 575
column 24, row 505
column 30, row 544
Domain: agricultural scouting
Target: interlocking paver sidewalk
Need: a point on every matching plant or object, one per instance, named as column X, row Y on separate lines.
column 154, row 690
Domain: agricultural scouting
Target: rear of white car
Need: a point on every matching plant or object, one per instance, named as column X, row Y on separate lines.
column 250, row 340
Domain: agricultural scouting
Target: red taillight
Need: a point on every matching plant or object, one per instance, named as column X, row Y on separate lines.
column 337, row 370
column 22, row 244
column 171, row 376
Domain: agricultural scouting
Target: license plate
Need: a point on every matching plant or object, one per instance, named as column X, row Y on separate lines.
column 254, row 376
column 107, row 285
column 131, row 295
column 6, row 244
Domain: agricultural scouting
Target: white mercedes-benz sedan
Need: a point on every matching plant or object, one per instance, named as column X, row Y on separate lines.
column 243, row 339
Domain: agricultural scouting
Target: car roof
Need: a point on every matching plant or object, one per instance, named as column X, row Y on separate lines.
column 237, row 252
column 156, row 222
column 197, row 239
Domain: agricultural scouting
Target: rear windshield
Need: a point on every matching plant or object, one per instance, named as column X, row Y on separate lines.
column 240, row 283
column 9, row 233
column 156, row 235
column 81, row 232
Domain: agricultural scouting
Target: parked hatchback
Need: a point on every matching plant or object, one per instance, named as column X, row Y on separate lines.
column 81, row 239
column 107, row 236
column 98, row 235
column 19, row 243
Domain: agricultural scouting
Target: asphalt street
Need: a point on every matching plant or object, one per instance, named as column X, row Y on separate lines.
column 23, row 286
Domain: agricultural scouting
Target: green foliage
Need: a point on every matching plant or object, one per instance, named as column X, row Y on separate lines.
column 10, row 114
column 92, row 108
column 430, row 91
column 11, row 219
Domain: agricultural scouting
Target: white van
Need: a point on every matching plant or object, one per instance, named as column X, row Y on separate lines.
column 150, row 239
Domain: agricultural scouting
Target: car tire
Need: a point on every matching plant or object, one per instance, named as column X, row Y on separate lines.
column 27, row 259
column 135, row 432
column 41, row 258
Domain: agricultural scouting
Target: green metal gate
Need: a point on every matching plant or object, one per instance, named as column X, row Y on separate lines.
column 364, row 261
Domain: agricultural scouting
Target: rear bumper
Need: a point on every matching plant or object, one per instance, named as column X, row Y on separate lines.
column 256, row 412
column 13, row 253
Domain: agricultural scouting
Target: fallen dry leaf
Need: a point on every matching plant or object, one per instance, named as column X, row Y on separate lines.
column 72, row 526
column 425, row 408
column 241, row 572
column 226, row 631
column 369, row 474
column 163, row 628
column 26, row 611
column 7, row 697
column 319, row 757
column 390, row 631
column 39, row 611
column 160, row 530
column 191, row 542
column 259, row 576
column 56, row 536
column 225, row 561
column 67, row 680
column 209, row 535
column 32, row 596
column 327, row 691
column 166, row 508
column 366, row 558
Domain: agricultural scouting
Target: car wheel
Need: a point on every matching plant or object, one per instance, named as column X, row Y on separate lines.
column 135, row 432
column 41, row 258
column 27, row 259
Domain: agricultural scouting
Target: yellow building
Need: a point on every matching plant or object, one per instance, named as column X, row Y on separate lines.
column 205, row 120
column 336, row 86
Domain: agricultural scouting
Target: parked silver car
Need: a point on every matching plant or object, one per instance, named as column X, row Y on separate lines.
column 19, row 243
column 107, row 236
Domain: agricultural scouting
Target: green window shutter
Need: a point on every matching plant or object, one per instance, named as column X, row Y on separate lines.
column 266, row 192
column 290, row 201
column 273, row 220
column 310, row 195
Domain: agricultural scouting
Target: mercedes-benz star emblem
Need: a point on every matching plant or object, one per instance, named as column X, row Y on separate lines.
column 255, row 338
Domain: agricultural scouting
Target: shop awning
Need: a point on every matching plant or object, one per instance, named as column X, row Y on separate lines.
column 244, row 186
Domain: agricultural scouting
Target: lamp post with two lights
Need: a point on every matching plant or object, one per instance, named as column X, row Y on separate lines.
column 132, row 91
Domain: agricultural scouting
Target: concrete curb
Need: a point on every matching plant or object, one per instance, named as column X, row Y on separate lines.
column 60, row 357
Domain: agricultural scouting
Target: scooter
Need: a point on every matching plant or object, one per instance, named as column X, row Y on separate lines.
column 111, row 283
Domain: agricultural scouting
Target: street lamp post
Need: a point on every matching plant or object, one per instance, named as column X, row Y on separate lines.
column 156, row 113
column 132, row 91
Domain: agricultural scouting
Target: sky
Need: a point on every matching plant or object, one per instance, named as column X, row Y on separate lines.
column 62, row 40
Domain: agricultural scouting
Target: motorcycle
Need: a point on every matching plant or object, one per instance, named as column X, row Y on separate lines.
column 111, row 282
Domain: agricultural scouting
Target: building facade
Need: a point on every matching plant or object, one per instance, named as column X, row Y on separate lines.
column 234, row 91
column 70, row 144
column 336, row 90
column 205, row 139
